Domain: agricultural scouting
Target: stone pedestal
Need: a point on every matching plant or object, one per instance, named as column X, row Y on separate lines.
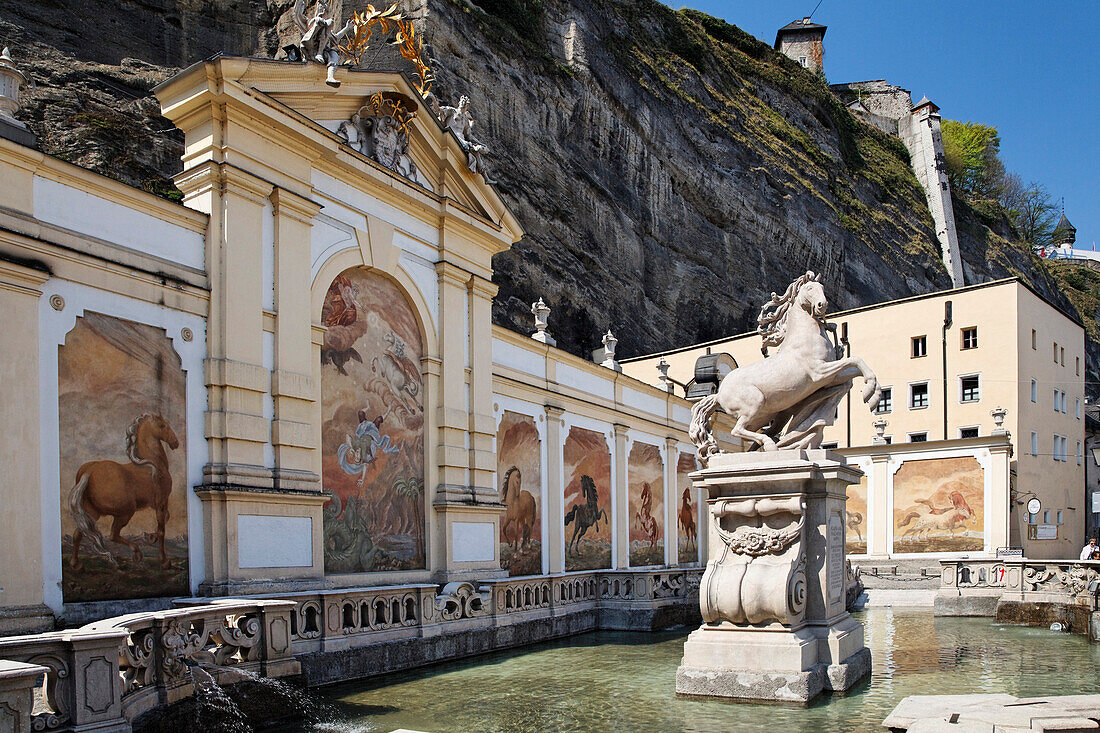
column 772, row 597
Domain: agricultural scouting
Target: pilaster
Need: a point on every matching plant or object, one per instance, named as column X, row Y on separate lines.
column 672, row 503
column 878, row 507
column 482, row 424
column 555, row 490
column 22, row 597
column 293, row 388
column 620, row 499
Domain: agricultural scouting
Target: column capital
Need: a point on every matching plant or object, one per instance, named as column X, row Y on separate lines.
column 291, row 204
column 481, row 286
column 452, row 273
column 620, row 430
column 554, row 411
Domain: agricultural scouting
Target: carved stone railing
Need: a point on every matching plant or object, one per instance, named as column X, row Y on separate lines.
column 1028, row 581
column 343, row 618
column 104, row 675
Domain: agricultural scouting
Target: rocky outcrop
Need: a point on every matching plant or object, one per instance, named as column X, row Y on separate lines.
column 669, row 169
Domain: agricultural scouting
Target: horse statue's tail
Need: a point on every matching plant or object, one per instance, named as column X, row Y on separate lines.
column 571, row 515
column 699, row 431
column 83, row 522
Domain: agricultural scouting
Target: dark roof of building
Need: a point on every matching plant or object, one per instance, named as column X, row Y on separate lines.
column 1063, row 223
column 925, row 101
column 802, row 24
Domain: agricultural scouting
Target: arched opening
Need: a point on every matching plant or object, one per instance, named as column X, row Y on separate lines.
column 372, row 426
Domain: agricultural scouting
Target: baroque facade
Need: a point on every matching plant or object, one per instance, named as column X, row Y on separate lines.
column 291, row 381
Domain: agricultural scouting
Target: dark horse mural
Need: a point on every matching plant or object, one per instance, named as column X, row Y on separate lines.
column 584, row 515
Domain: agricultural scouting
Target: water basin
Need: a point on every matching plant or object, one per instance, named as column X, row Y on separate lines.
column 620, row 681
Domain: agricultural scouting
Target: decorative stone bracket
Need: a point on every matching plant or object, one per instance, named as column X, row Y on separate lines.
column 759, row 575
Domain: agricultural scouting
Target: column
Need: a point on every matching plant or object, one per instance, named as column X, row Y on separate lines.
column 482, row 423
column 878, row 506
column 620, row 499
column 21, row 488
column 293, row 388
column 672, row 503
column 555, row 490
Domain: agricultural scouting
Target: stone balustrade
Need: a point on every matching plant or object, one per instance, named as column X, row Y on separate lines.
column 1004, row 587
column 104, row 675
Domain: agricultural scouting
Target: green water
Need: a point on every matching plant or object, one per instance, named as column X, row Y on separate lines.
column 618, row 681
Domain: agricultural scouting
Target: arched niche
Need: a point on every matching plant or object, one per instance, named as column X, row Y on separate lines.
column 372, row 425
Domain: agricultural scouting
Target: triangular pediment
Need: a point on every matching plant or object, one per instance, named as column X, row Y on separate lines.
column 439, row 163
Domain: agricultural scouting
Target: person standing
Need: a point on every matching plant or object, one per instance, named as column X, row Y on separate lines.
column 1088, row 550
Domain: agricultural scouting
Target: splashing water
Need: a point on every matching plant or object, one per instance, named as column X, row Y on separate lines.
column 215, row 710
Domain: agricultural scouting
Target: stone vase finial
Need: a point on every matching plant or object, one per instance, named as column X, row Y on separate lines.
column 880, row 431
column 541, row 312
column 998, row 413
column 609, row 344
column 662, row 369
column 12, row 83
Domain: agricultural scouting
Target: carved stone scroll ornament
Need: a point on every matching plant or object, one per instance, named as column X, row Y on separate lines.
column 786, row 400
column 759, row 575
column 380, row 131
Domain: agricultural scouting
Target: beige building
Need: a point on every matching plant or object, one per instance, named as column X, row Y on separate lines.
column 945, row 361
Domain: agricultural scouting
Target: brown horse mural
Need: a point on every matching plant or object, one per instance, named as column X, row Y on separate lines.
column 519, row 458
column 123, row 462
column 939, row 505
column 109, row 488
column 645, row 473
column 688, row 537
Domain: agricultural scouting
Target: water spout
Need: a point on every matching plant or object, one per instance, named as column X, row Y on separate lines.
column 215, row 710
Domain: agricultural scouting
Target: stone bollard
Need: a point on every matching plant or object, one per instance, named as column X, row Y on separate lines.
column 17, row 683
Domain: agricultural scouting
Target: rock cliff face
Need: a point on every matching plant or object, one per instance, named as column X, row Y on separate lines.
column 669, row 169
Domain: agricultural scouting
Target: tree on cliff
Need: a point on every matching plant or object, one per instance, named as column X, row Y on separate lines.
column 971, row 153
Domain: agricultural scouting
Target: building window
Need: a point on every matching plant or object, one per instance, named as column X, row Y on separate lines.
column 1064, row 402
column 829, row 446
column 1055, row 352
column 970, row 338
column 1077, row 365
column 1046, row 516
column 1059, row 515
column 1032, row 518
column 918, row 437
column 1060, row 447
column 1062, row 355
column 1033, row 340
column 1078, row 409
column 971, row 432
column 919, row 346
column 885, row 401
column 802, row 61
column 1080, row 455
column 918, row 396
column 1034, row 391
column 1056, row 393
column 1034, row 443
column 970, row 388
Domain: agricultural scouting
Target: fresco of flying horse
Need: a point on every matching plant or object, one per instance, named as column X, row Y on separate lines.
column 119, row 490
column 786, row 400
column 519, row 515
column 585, row 515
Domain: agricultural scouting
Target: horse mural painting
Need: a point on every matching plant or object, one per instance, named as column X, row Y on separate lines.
column 123, row 457
column 587, row 500
column 584, row 515
column 855, row 520
column 939, row 505
column 786, row 400
column 519, row 457
column 686, row 516
column 108, row 488
column 645, row 469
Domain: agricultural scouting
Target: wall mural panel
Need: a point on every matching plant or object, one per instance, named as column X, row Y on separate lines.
column 372, row 427
column 518, row 470
column 855, row 536
column 939, row 506
column 646, row 489
column 587, row 470
column 687, row 515
column 122, row 430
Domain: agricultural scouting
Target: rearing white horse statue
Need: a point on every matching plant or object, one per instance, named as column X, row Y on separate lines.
column 786, row 400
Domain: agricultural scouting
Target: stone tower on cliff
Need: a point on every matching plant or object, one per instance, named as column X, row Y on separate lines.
column 802, row 41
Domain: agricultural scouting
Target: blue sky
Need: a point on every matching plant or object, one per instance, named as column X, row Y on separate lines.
column 1029, row 68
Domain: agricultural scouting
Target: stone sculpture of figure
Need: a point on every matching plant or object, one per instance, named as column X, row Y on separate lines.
column 459, row 121
column 351, row 130
column 786, row 400
column 319, row 42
